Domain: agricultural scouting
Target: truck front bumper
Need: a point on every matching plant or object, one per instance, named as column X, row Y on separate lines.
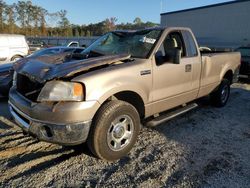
column 67, row 125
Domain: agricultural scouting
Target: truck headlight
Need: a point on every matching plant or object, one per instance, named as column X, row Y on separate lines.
column 55, row 91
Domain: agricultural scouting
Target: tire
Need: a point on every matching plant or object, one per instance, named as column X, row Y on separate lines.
column 220, row 97
column 114, row 131
column 16, row 57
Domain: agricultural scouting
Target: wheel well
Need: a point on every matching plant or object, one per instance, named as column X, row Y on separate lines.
column 17, row 55
column 229, row 76
column 132, row 98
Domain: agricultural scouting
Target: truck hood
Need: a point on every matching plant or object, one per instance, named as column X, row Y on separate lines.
column 44, row 68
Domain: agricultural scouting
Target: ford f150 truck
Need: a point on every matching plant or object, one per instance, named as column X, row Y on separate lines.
column 123, row 80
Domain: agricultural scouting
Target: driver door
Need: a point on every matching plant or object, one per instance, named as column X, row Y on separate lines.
column 172, row 82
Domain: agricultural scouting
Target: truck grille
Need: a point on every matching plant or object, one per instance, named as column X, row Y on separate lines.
column 28, row 88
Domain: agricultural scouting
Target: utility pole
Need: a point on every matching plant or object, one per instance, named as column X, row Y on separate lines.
column 161, row 5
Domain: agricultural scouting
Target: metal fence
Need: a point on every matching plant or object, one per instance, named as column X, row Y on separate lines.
column 61, row 41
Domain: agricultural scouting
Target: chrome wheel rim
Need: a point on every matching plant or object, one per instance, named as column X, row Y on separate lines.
column 224, row 93
column 120, row 133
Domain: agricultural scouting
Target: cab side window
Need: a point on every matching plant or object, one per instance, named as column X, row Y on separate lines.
column 170, row 46
column 191, row 46
column 175, row 40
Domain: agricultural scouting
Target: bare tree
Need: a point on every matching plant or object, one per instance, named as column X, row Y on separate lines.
column 10, row 18
column 110, row 24
column 2, row 9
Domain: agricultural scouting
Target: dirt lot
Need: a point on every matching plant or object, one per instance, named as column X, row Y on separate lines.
column 208, row 147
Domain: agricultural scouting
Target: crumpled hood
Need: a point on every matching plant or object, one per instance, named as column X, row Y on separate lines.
column 46, row 68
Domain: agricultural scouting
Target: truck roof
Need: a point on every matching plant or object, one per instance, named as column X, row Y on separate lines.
column 150, row 29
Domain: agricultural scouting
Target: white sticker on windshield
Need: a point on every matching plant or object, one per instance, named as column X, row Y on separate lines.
column 148, row 40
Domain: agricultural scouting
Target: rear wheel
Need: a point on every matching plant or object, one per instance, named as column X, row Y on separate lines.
column 220, row 97
column 114, row 130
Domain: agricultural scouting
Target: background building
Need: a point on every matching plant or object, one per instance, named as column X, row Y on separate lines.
column 219, row 26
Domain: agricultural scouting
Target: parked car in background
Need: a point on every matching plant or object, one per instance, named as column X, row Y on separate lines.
column 62, row 41
column 73, row 44
column 6, row 74
column 245, row 62
column 36, row 45
column 56, row 50
column 6, row 70
column 12, row 47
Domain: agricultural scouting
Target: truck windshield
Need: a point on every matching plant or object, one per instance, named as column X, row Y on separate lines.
column 138, row 44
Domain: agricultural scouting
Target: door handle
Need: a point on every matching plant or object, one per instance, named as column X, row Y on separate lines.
column 188, row 68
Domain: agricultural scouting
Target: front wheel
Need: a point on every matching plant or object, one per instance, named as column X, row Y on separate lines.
column 220, row 97
column 114, row 131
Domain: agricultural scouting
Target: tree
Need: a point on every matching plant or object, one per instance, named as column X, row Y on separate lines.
column 30, row 19
column 110, row 24
column 137, row 21
column 30, row 12
column 2, row 9
column 10, row 18
column 64, row 23
column 42, row 15
column 21, row 14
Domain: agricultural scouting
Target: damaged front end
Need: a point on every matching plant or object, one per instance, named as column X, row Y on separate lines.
column 34, row 78
column 47, row 104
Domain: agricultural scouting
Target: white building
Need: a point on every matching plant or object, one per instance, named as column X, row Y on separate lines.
column 220, row 25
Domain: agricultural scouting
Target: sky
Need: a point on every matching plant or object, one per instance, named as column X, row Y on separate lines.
column 93, row 11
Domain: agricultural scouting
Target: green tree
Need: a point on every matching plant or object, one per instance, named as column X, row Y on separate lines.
column 21, row 14
column 64, row 23
column 2, row 9
column 30, row 19
column 10, row 18
column 137, row 21
column 42, row 21
column 110, row 24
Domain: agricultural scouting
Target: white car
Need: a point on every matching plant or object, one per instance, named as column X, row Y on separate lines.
column 12, row 47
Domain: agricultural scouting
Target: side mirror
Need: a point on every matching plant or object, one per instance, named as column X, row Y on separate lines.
column 177, row 56
column 159, row 58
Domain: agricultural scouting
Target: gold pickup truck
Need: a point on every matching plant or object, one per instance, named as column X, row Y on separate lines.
column 124, row 78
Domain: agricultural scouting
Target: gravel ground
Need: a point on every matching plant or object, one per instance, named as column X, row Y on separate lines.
column 208, row 147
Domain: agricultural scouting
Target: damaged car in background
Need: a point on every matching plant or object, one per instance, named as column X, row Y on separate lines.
column 6, row 70
column 245, row 61
column 6, row 75
column 124, row 79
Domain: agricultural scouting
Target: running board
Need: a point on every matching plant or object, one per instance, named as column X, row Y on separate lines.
column 170, row 115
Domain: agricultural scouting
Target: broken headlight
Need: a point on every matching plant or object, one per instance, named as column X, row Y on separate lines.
column 55, row 91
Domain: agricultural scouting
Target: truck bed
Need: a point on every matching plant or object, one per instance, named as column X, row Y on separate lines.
column 213, row 68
